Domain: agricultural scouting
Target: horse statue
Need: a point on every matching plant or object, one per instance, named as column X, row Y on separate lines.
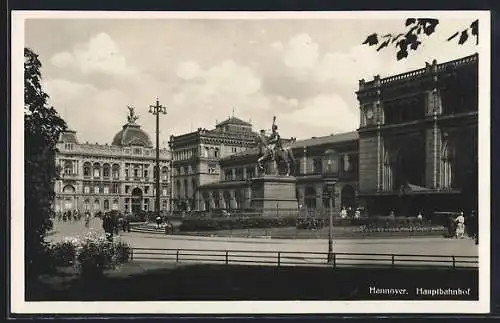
column 281, row 154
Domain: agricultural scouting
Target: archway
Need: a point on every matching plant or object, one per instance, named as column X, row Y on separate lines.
column 69, row 189
column 136, row 200
column 347, row 196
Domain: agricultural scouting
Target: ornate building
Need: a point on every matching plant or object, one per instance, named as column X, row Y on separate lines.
column 418, row 137
column 120, row 176
column 232, row 190
column 196, row 155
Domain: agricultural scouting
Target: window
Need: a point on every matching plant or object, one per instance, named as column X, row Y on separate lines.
column 106, row 205
column 146, row 189
column 105, row 171
column 164, row 204
column 86, row 204
column 115, row 204
column 116, row 171
column 239, row 174
column 86, row 171
column 146, row 173
column 116, row 188
column 96, row 190
column 127, row 189
column 164, row 173
column 216, row 153
column 136, row 172
column 137, row 151
column 126, row 173
column 146, row 204
column 68, row 146
column 86, row 190
column 164, row 191
column 250, row 172
column 96, row 204
column 106, row 190
column 317, row 166
column 228, row 174
column 234, row 150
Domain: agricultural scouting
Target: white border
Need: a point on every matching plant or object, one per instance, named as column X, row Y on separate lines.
column 244, row 307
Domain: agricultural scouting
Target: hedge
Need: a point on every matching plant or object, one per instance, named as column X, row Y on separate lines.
column 365, row 224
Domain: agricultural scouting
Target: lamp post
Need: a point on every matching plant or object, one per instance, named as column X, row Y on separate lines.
column 330, row 177
column 156, row 110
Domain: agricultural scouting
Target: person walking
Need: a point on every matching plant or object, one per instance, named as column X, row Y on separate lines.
column 108, row 226
column 460, row 231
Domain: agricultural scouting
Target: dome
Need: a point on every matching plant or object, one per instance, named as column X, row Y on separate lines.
column 69, row 136
column 132, row 134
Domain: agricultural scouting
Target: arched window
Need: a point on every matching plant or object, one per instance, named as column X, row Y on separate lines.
column 106, row 205
column 97, row 170
column 87, row 169
column 116, row 171
column 68, row 189
column 164, row 173
column 106, row 170
column 97, row 204
column 68, row 167
column 86, row 204
column 115, row 204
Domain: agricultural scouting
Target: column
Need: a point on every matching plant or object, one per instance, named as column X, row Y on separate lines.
column 319, row 196
column 233, row 199
column 304, row 161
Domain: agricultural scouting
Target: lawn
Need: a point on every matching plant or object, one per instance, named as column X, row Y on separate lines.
column 137, row 281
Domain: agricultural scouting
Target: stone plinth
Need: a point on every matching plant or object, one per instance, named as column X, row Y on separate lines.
column 274, row 192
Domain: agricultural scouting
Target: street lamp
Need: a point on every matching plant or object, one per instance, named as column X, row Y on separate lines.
column 330, row 177
column 156, row 110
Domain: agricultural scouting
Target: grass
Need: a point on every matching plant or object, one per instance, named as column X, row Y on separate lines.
column 137, row 281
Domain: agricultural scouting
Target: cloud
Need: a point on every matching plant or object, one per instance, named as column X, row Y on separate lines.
column 277, row 46
column 63, row 59
column 324, row 114
column 188, row 70
column 100, row 54
column 301, row 53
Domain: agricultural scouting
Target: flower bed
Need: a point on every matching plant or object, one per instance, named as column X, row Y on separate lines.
column 91, row 255
column 212, row 224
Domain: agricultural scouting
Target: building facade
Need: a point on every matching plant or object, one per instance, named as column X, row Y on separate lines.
column 120, row 176
column 232, row 191
column 196, row 156
column 418, row 137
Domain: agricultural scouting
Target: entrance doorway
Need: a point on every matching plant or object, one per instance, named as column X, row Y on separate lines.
column 347, row 196
column 136, row 200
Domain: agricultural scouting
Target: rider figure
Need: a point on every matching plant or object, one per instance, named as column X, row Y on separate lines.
column 274, row 140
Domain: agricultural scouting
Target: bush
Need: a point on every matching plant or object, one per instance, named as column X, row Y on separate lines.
column 90, row 255
column 213, row 224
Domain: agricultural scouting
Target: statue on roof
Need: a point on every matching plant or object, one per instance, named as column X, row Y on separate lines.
column 132, row 117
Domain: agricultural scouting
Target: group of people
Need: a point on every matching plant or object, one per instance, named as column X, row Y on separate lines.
column 350, row 212
column 73, row 216
column 112, row 221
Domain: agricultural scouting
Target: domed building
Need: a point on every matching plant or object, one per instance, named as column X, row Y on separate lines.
column 119, row 176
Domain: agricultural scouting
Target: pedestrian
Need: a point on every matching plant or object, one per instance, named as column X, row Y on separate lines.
column 158, row 221
column 343, row 213
column 460, row 230
column 107, row 225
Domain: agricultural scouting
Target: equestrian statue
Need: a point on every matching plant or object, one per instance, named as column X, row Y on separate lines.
column 272, row 148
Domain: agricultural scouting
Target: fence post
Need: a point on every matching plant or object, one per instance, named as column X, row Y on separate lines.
column 279, row 258
column 227, row 257
column 334, row 260
column 453, row 258
column 177, row 256
column 131, row 254
column 392, row 260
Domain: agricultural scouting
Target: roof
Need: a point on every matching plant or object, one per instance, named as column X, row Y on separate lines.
column 331, row 139
column 315, row 141
column 132, row 134
column 235, row 121
column 68, row 136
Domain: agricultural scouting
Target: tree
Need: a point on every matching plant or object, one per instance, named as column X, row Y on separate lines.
column 416, row 30
column 42, row 128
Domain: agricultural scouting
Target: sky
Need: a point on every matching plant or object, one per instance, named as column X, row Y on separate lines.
column 305, row 72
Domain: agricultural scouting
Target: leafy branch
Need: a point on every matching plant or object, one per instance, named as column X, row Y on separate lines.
column 411, row 39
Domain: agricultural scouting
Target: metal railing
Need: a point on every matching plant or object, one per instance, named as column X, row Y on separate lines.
column 302, row 258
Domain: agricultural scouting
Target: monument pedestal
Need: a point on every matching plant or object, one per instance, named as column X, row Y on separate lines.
column 274, row 192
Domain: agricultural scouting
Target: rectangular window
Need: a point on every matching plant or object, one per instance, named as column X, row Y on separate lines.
column 86, row 190
column 106, row 190
column 126, row 173
column 136, row 172
column 146, row 204
column 146, row 189
column 146, row 173
column 96, row 190
column 116, row 188
column 137, row 151
column 127, row 188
